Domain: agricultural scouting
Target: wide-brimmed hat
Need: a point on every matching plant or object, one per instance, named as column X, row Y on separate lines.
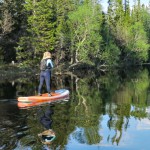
column 47, row 55
column 47, row 136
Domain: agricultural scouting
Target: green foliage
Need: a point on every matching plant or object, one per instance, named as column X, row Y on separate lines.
column 140, row 44
column 41, row 31
column 62, row 30
column 111, row 54
column 74, row 30
column 61, row 22
column 24, row 53
column 129, row 33
column 85, row 32
column 145, row 19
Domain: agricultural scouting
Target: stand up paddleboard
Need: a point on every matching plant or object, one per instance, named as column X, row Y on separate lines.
column 56, row 95
column 32, row 104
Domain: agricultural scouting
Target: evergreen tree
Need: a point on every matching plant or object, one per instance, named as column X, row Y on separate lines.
column 145, row 19
column 128, row 33
column 62, row 29
column 138, row 40
column 41, row 31
column 11, row 27
column 127, row 9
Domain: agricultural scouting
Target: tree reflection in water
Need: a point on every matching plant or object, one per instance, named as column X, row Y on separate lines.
column 94, row 99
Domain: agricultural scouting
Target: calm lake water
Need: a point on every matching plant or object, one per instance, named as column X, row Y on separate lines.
column 105, row 111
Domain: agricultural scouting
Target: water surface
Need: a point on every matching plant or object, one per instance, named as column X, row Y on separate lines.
column 108, row 111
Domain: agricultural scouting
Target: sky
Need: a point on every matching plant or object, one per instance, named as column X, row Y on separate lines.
column 105, row 4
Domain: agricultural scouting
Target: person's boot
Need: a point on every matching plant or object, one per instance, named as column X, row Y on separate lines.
column 49, row 95
column 39, row 94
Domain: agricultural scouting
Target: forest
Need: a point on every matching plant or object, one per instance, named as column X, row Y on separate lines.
column 75, row 32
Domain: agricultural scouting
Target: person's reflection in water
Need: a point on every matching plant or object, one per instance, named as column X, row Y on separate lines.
column 48, row 135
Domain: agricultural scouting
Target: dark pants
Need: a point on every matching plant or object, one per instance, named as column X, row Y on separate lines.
column 46, row 120
column 45, row 116
column 45, row 75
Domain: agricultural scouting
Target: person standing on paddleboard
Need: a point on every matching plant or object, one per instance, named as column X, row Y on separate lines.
column 45, row 74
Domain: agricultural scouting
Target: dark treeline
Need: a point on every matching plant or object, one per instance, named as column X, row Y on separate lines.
column 74, row 31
